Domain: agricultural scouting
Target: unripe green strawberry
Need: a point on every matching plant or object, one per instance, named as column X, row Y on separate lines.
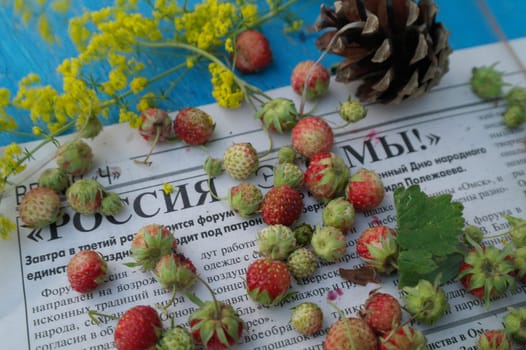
column 75, row 157
column 306, row 318
column 517, row 231
column 473, row 234
column 156, row 125
column 377, row 246
column 288, row 174
column 240, row 160
column 486, row 82
column 286, row 154
column 312, row 135
column 339, row 213
column 403, row 338
column 213, row 167
column 245, row 199
column 40, row 207
column 365, row 190
column 111, row 204
column 317, row 77
column 352, row 111
column 494, row 339
column 86, row 271
column 350, row 334
column 150, row 243
column 519, row 261
column 514, row 322
column 303, row 234
column 177, row 338
column 278, row 114
column 88, row 127
column 328, row 243
column 302, row 263
column 193, row 125
column 514, row 116
column 382, row 312
column 85, row 196
column 55, row 179
column 326, row 176
column 268, row 281
column 281, row 205
column 175, row 272
column 426, row 302
column 276, row 242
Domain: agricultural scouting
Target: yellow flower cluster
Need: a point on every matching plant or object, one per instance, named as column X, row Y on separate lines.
column 10, row 163
column 6, row 227
column 224, row 88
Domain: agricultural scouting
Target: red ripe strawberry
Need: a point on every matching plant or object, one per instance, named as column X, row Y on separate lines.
column 139, row 328
column 312, row 135
column 193, row 126
column 318, row 83
column 156, row 125
column 252, row 52
column 382, row 312
column 281, row 205
column 268, row 281
column 403, row 338
column 494, row 339
column 86, row 271
column 365, row 190
column 326, row 175
column 351, row 333
column 377, row 247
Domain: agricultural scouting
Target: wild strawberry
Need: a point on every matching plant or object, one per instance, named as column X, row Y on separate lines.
column 487, row 272
column 303, row 234
column 486, row 82
column 193, row 125
column 513, row 116
column 276, row 242
column 365, row 190
column 306, row 318
column 517, row 230
column 252, row 52
column 240, row 160
column 288, row 174
column 216, row 325
column 55, row 179
column 86, row 270
column 268, row 281
column 156, row 125
column 212, row 166
column 326, row 176
column 175, row 272
column 85, row 196
column 519, row 261
column 245, row 199
column 74, row 157
column 338, row 213
column 403, row 338
column 302, row 263
column 281, row 205
column 111, row 204
column 139, row 328
column 426, row 302
column 352, row 111
column 150, row 243
column 494, row 339
column 40, row 207
column 312, row 135
column 177, row 338
column 377, row 246
column 88, row 127
column 514, row 324
column 278, row 114
column 382, row 312
column 328, row 243
column 316, row 75
column 350, row 333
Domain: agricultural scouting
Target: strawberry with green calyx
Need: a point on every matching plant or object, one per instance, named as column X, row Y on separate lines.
column 245, row 199
column 516, row 96
column 426, row 302
column 55, row 179
column 515, row 324
column 175, row 272
column 252, row 52
column 156, row 126
column 306, row 318
column 303, row 234
column 494, row 339
column 350, row 334
column 149, row 244
column 281, row 205
column 403, row 338
column 382, row 312
column 111, row 204
column 240, row 160
column 310, row 79
column 326, row 176
column 138, row 328
column 74, row 157
column 276, row 242
column 268, row 281
column 288, row 174
column 193, row 125
column 40, row 207
column 86, row 270
column 487, row 272
column 365, row 190
column 329, row 243
column 302, row 263
column 517, row 231
column 312, row 135
column 514, row 116
column 88, row 127
column 279, row 115
column 286, row 154
column 377, row 246
column 85, row 196
column 339, row 213
column 486, row 82
column 519, row 260
column 213, row 167
column 176, row 338
column 352, row 111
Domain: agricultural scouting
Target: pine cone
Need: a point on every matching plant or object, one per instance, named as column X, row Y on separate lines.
column 395, row 47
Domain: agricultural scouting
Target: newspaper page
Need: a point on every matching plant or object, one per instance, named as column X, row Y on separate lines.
column 448, row 141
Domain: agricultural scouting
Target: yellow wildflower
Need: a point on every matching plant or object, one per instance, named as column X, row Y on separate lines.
column 249, row 13
column 4, row 97
column 6, row 227
column 126, row 116
column 138, row 84
column 168, row 188
column 146, row 102
column 229, row 45
column 224, row 88
column 37, row 131
column 44, row 28
column 61, row 6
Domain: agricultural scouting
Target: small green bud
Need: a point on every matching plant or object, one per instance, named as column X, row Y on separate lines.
column 514, row 322
column 473, row 233
column 427, row 302
column 88, row 127
column 514, row 116
column 486, row 82
column 303, row 234
column 352, row 111
column 111, row 204
column 213, row 166
column 516, row 96
column 286, row 154
column 288, row 174
column 278, row 115
column 55, row 179
column 517, row 231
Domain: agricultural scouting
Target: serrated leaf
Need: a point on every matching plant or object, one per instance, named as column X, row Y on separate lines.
column 414, row 266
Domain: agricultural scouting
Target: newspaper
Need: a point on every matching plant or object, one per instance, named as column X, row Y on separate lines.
column 448, row 141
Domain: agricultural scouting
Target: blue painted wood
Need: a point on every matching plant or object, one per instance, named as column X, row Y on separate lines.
column 22, row 51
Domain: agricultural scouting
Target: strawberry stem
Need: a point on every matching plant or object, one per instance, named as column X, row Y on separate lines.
column 154, row 143
column 93, row 313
